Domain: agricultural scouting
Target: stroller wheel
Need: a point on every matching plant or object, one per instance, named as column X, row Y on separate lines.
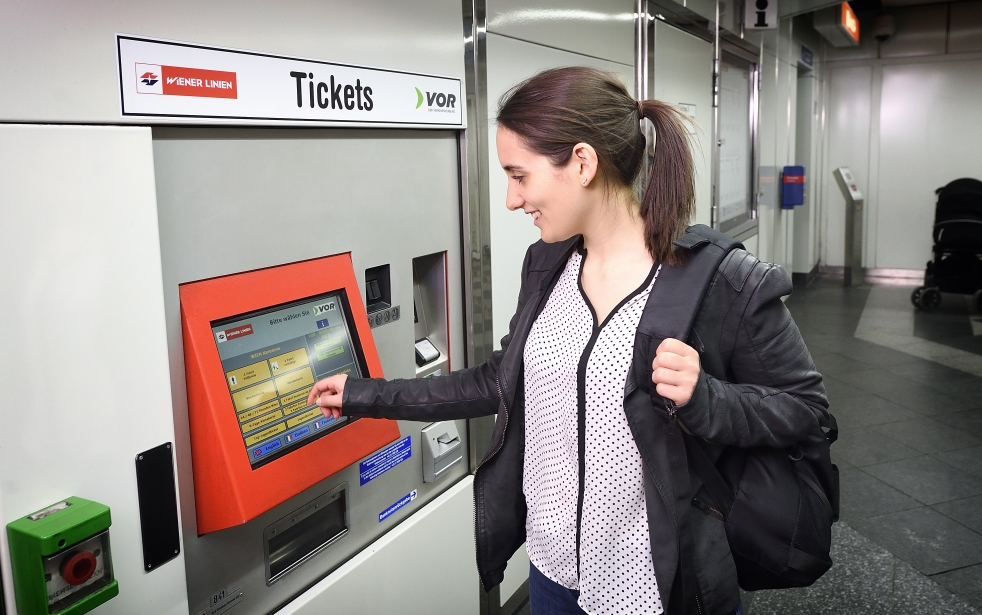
column 915, row 297
column 930, row 299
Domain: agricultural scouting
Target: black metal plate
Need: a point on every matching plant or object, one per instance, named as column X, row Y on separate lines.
column 158, row 506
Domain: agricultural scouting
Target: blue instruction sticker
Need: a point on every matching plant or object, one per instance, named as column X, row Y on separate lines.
column 385, row 514
column 384, row 460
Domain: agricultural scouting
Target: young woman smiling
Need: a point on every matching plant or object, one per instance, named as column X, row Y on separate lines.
column 569, row 472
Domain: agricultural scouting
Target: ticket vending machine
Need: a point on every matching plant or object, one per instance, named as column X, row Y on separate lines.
column 163, row 281
column 259, row 226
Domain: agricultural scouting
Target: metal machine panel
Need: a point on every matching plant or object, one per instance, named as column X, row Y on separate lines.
column 597, row 29
column 509, row 62
column 78, row 41
column 84, row 368
column 396, row 574
column 234, row 200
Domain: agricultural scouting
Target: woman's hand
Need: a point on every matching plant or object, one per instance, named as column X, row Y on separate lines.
column 327, row 394
column 675, row 370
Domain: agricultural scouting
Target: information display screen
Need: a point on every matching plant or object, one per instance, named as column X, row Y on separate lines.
column 272, row 357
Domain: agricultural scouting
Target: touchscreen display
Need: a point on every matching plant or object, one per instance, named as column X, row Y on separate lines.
column 272, row 357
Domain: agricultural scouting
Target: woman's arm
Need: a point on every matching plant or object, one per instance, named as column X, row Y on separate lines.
column 777, row 397
column 462, row 394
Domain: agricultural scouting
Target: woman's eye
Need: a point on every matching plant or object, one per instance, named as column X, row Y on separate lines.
column 517, row 178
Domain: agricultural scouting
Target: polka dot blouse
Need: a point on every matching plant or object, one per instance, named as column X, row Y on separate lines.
column 587, row 525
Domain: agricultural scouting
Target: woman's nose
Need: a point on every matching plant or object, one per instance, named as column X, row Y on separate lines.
column 513, row 200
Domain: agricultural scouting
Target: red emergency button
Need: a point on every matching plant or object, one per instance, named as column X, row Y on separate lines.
column 78, row 568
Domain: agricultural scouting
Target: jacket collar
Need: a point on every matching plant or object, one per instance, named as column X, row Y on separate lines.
column 512, row 363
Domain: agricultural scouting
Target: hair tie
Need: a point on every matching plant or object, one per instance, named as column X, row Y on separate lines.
column 641, row 109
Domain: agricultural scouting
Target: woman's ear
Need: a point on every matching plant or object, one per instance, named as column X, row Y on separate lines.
column 583, row 163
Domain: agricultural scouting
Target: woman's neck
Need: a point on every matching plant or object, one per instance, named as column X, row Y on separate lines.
column 616, row 232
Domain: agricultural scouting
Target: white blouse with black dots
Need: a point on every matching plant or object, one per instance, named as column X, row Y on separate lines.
column 587, row 526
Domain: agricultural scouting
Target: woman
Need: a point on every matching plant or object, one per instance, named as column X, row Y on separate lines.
column 564, row 472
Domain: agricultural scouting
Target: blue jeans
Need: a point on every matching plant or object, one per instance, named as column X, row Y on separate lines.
column 546, row 597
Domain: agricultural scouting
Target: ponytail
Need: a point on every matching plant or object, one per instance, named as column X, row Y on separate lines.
column 558, row 108
column 668, row 203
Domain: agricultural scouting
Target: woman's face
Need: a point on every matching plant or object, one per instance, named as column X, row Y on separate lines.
column 555, row 197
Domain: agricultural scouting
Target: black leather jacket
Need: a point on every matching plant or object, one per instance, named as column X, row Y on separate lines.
column 758, row 387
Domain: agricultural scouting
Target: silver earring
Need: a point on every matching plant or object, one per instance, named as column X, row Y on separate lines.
column 584, row 182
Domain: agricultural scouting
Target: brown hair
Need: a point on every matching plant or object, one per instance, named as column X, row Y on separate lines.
column 558, row 108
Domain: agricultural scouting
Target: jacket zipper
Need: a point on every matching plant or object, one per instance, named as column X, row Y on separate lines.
column 673, row 416
column 501, row 396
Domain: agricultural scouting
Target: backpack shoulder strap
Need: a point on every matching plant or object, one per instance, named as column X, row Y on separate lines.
column 675, row 299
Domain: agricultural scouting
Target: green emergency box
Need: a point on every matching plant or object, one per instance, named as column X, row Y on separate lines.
column 60, row 559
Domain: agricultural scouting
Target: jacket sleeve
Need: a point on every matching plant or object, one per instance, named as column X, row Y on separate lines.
column 463, row 394
column 776, row 396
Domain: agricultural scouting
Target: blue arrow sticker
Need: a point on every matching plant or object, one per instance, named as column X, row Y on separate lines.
column 385, row 514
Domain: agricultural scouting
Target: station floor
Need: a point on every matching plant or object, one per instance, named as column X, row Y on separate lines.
column 906, row 390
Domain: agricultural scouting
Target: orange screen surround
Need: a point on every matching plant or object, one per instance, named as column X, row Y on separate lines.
column 227, row 490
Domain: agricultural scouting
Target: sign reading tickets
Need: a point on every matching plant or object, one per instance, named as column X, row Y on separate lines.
column 190, row 83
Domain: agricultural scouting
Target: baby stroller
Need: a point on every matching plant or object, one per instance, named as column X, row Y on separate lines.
column 956, row 267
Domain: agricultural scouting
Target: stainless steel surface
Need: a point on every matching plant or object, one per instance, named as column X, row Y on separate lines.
column 853, row 257
column 232, row 200
column 853, row 275
column 476, row 212
column 682, row 75
column 586, row 27
column 644, row 66
column 743, row 232
column 726, row 58
column 717, row 59
column 430, row 310
column 509, row 62
column 442, row 449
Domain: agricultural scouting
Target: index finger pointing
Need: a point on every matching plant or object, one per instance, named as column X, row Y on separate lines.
column 315, row 391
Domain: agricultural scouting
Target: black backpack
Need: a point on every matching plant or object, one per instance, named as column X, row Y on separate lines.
column 778, row 505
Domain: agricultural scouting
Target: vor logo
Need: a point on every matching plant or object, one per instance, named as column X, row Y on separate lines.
column 436, row 101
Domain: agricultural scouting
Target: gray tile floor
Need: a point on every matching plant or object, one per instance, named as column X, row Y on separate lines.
column 906, row 389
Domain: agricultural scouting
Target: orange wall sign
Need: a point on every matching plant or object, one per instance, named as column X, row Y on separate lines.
column 849, row 23
column 228, row 489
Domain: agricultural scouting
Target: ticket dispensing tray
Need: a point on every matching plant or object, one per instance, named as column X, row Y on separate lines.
column 254, row 344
